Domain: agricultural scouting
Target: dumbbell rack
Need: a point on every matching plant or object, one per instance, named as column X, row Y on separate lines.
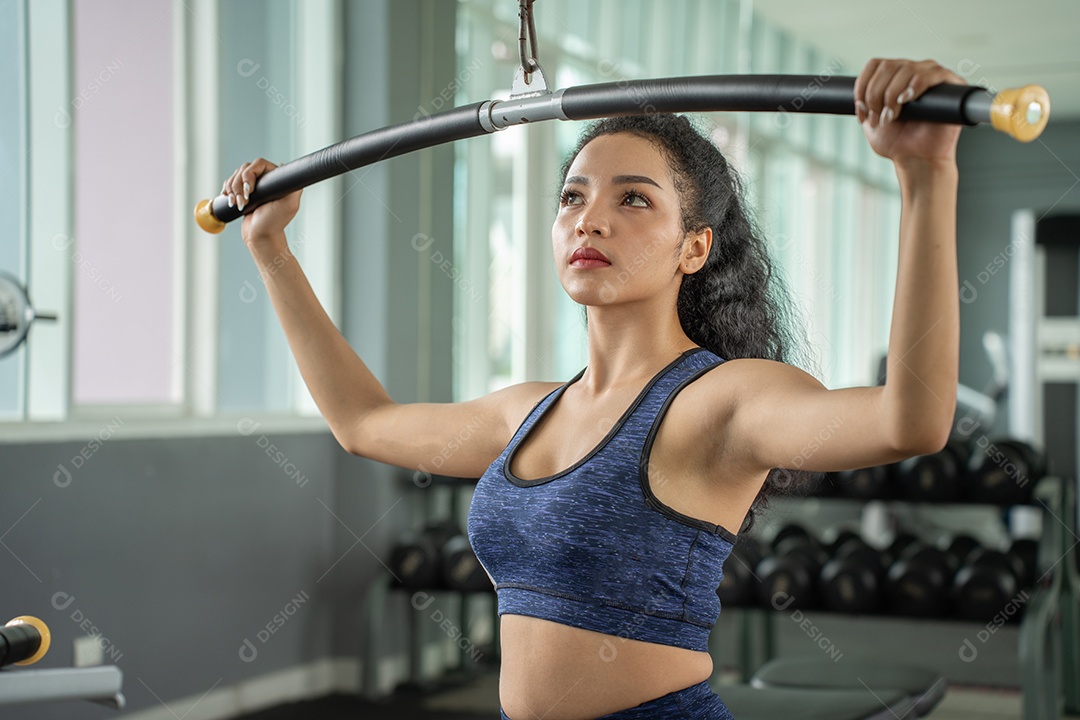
column 384, row 587
column 1049, row 639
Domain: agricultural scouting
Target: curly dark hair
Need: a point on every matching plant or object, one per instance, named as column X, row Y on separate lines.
column 737, row 305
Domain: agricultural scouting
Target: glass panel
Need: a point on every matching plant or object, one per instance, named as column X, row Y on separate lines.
column 12, row 183
column 258, row 119
column 122, row 111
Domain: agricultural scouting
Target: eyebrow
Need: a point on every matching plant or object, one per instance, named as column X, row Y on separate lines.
column 617, row 180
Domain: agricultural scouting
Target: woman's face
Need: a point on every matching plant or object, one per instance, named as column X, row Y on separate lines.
column 618, row 234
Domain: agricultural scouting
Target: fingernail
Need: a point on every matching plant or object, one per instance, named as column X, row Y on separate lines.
column 888, row 116
column 906, row 95
column 247, row 191
column 861, row 107
column 239, row 204
column 230, row 199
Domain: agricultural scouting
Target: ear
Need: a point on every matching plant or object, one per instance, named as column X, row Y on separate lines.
column 695, row 252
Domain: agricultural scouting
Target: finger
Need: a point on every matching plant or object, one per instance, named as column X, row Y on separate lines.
column 236, row 187
column 874, row 94
column 227, row 190
column 250, row 176
column 898, row 85
column 929, row 75
column 868, row 71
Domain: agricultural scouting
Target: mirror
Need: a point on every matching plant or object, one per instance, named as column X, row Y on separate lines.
column 16, row 314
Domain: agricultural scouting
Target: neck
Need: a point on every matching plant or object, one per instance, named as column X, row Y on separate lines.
column 631, row 341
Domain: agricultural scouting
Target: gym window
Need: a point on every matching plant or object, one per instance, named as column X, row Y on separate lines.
column 828, row 206
column 125, row 115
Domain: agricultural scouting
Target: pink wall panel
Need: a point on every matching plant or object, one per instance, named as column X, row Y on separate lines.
column 122, row 111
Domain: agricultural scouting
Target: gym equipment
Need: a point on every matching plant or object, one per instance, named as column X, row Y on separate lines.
column 986, row 584
column 870, row 483
column 1044, row 324
column 852, row 580
column 1026, row 553
column 840, row 537
column 789, row 576
column 751, row 703
column 1021, row 113
column 739, row 585
column 1004, row 471
column 960, row 547
column 934, row 478
column 17, row 313
column 100, row 685
column 918, row 583
column 416, row 562
column 460, row 569
column 23, row 641
column 925, row 688
column 896, row 548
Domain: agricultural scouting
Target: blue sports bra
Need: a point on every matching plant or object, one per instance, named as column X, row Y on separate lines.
column 592, row 546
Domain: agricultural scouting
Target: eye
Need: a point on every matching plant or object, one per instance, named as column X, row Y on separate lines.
column 636, row 199
column 569, row 197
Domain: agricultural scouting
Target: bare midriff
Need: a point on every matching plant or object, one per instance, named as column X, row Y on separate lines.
column 558, row 672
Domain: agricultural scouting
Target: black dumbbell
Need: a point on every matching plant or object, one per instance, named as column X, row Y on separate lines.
column 461, row 570
column 960, row 548
column 840, row 537
column 869, row 483
column 851, row 582
column 900, row 542
column 819, row 484
column 416, row 561
column 918, row 583
column 1026, row 552
column 739, row 586
column 1004, row 472
column 939, row 477
column 789, row 575
column 986, row 584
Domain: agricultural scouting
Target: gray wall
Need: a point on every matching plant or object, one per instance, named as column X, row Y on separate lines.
column 175, row 549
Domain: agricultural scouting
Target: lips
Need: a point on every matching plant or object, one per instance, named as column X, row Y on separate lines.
column 586, row 257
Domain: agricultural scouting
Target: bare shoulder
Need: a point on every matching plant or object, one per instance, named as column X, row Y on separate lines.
column 726, row 403
column 736, row 383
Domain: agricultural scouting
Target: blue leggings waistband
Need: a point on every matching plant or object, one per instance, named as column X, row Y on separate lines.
column 697, row 702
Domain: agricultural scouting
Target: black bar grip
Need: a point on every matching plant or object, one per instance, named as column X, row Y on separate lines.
column 23, row 641
column 833, row 95
column 371, row 147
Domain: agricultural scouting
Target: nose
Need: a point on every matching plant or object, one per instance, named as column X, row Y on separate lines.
column 591, row 222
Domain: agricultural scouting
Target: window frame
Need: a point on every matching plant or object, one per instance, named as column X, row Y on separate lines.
column 48, row 409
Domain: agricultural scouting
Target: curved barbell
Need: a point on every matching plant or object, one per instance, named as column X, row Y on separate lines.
column 1021, row 113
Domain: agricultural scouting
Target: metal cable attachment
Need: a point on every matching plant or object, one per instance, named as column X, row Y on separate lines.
column 525, row 84
column 527, row 38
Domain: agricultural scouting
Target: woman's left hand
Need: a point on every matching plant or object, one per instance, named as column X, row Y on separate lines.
column 881, row 89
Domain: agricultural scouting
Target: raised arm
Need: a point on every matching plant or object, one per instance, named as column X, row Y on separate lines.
column 458, row 439
column 779, row 415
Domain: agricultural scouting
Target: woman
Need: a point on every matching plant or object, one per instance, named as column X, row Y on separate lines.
column 603, row 527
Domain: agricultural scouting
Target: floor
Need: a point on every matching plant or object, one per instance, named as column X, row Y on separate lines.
column 476, row 698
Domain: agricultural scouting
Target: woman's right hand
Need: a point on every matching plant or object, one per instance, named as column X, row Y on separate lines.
column 266, row 224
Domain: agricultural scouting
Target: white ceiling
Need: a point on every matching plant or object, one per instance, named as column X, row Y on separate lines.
column 994, row 43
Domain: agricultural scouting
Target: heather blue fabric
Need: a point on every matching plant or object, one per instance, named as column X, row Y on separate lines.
column 697, row 702
column 591, row 546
